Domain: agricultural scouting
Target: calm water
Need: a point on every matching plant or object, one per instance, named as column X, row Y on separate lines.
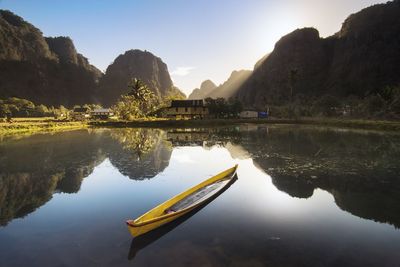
column 304, row 197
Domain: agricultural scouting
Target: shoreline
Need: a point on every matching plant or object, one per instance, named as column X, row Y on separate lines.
column 345, row 123
column 27, row 127
column 38, row 126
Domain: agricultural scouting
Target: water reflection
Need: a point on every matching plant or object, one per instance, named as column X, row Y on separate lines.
column 359, row 169
column 139, row 153
column 32, row 169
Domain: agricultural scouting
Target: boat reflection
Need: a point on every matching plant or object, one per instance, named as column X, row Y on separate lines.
column 142, row 241
column 359, row 169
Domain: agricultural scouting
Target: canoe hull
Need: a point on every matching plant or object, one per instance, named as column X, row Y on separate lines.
column 139, row 230
column 154, row 218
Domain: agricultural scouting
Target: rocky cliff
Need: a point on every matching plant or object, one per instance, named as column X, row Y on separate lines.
column 64, row 49
column 230, row 87
column 43, row 70
column 227, row 89
column 20, row 40
column 205, row 89
column 361, row 59
column 134, row 64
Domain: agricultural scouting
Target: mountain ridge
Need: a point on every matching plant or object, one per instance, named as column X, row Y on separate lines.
column 50, row 71
column 361, row 59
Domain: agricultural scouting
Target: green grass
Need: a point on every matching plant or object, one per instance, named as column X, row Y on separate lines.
column 34, row 125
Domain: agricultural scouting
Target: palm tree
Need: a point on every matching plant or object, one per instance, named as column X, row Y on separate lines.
column 145, row 98
column 139, row 90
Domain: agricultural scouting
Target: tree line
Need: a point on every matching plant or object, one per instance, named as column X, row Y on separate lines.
column 17, row 107
column 141, row 102
column 384, row 104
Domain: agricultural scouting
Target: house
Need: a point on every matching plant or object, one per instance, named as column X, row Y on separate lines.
column 248, row 114
column 252, row 114
column 80, row 114
column 187, row 109
column 101, row 113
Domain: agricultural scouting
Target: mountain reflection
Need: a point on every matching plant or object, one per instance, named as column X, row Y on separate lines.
column 359, row 169
column 32, row 169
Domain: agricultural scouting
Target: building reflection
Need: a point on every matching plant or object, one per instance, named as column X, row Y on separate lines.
column 360, row 170
column 188, row 137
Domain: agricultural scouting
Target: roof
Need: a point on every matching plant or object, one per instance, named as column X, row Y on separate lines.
column 102, row 110
column 249, row 110
column 81, row 109
column 187, row 103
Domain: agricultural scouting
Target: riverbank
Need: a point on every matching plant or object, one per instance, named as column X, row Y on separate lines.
column 35, row 125
column 344, row 123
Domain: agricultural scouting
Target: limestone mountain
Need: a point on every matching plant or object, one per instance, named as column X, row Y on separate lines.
column 65, row 50
column 361, row 59
column 43, row 70
column 227, row 89
column 135, row 64
column 20, row 40
column 205, row 89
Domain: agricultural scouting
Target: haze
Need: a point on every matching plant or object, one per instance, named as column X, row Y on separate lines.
column 198, row 40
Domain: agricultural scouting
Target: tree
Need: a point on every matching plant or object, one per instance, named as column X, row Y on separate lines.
column 138, row 103
column 127, row 108
column 41, row 110
column 4, row 110
column 327, row 105
column 172, row 94
column 374, row 104
column 221, row 108
column 235, row 107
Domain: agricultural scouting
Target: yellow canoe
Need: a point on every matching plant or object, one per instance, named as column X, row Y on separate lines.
column 182, row 203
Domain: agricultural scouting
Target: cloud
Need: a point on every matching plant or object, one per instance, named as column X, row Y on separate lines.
column 182, row 71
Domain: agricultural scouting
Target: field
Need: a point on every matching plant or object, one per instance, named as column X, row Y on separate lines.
column 33, row 125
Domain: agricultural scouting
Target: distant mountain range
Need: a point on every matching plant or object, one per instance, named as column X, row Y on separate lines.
column 361, row 59
column 48, row 70
column 226, row 90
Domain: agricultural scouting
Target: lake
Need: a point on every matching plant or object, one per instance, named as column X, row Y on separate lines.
column 305, row 196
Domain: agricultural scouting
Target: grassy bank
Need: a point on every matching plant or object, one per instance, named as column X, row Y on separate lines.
column 345, row 123
column 34, row 125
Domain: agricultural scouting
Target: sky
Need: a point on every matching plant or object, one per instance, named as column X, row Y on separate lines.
column 198, row 40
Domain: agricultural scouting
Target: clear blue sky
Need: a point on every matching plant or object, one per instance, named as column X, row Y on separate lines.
column 198, row 40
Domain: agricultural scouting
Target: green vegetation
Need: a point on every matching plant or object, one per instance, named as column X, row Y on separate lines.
column 220, row 108
column 140, row 107
column 34, row 125
column 141, row 102
column 138, row 103
column 135, row 140
column 380, row 105
column 16, row 107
